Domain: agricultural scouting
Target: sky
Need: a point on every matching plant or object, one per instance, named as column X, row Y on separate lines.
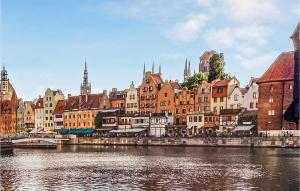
column 44, row 43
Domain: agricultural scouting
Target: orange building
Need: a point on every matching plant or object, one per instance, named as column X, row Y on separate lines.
column 8, row 105
column 184, row 103
column 149, row 92
column 166, row 97
column 80, row 111
column 203, row 97
column 117, row 99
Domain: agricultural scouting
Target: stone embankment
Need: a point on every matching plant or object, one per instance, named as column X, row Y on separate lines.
column 290, row 142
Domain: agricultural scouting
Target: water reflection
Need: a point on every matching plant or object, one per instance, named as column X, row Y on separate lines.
column 150, row 168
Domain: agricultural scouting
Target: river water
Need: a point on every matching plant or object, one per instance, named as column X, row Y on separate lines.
column 150, row 168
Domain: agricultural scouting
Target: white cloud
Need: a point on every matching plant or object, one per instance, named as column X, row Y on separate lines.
column 187, row 30
column 257, row 62
column 251, row 10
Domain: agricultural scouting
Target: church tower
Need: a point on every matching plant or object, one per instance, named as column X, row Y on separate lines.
column 85, row 88
column 4, row 81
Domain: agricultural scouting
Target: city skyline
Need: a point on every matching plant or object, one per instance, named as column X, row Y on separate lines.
column 44, row 44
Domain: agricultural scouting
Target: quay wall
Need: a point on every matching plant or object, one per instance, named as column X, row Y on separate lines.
column 290, row 142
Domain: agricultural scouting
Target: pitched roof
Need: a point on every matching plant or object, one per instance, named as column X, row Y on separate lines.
column 93, row 101
column 157, row 78
column 243, row 90
column 39, row 104
column 282, row 69
column 60, row 107
column 207, row 54
column 117, row 95
column 175, row 85
column 221, row 83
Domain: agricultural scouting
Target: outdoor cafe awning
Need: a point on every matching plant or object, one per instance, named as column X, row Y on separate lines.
column 79, row 131
column 136, row 130
column 244, row 128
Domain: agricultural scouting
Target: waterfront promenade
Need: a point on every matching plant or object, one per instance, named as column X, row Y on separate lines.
column 276, row 142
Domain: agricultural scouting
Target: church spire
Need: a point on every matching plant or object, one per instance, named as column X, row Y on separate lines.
column 160, row 70
column 144, row 72
column 153, row 67
column 85, row 87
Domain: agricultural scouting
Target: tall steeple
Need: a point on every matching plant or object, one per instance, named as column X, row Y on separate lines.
column 189, row 69
column 4, row 81
column 185, row 70
column 144, row 72
column 160, row 70
column 153, row 68
column 85, row 88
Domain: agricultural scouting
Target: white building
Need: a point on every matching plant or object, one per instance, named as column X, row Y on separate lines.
column 158, row 123
column 236, row 98
column 140, row 121
column 195, row 122
column 39, row 115
column 251, row 97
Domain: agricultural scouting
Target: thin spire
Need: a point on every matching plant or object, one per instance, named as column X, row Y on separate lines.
column 185, row 68
column 144, row 72
column 153, row 67
column 189, row 69
column 160, row 70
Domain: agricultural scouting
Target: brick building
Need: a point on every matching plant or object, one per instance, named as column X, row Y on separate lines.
column 8, row 105
column 204, row 61
column 184, row 103
column 149, row 88
column 117, row 99
column 276, row 94
column 203, row 97
column 166, row 97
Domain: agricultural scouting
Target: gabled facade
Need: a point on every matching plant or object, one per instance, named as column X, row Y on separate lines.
column 236, row 98
column 220, row 92
column 132, row 100
column 50, row 100
column 39, row 114
column 20, row 116
column 149, row 92
column 58, row 114
column 251, row 96
column 29, row 116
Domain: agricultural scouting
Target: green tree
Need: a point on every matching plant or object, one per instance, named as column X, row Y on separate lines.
column 98, row 120
column 217, row 64
column 194, row 81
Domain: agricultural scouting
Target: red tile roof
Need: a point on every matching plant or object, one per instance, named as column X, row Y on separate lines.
column 39, row 104
column 207, row 54
column 157, row 78
column 93, row 101
column 60, row 107
column 282, row 69
column 221, row 83
column 243, row 90
column 175, row 85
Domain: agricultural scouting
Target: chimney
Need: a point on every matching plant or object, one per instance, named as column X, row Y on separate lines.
column 69, row 95
column 105, row 92
column 114, row 89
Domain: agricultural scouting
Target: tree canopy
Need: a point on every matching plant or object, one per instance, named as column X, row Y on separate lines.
column 216, row 65
column 194, row 81
column 98, row 120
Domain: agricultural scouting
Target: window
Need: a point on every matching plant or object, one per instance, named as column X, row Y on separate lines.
column 183, row 111
column 220, row 90
column 271, row 88
column 166, row 94
column 271, row 100
column 199, row 99
column 235, row 97
column 177, row 111
column 200, row 118
column 195, row 119
column 215, row 100
column 50, row 105
column 290, row 86
column 205, row 99
column 251, row 105
column 271, row 112
column 254, row 95
column 221, row 99
column 190, row 119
